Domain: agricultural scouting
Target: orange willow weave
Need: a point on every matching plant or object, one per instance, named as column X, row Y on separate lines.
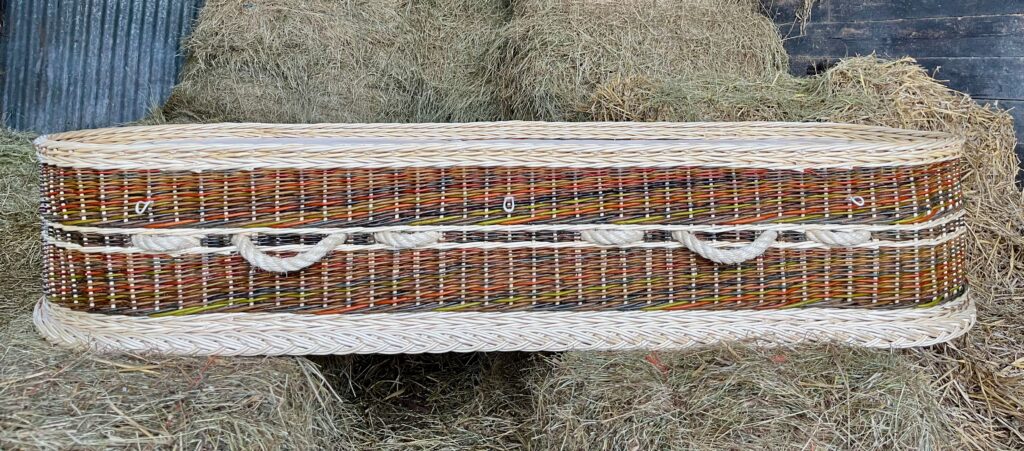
column 324, row 220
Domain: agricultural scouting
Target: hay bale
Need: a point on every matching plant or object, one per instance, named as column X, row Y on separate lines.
column 559, row 51
column 285, row 61
column 21, row 261
column 338, row 61
column 981, row 376
column 738, row 399
column 60, row 399
column 983, row 385
column 455, row 46
column 447, row 401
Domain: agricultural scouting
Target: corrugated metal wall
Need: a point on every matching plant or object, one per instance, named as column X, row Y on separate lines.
column 71, row 64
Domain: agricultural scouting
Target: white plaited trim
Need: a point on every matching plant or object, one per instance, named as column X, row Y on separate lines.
column 430, row 332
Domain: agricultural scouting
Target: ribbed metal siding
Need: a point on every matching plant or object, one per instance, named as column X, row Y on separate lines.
column 71, row 64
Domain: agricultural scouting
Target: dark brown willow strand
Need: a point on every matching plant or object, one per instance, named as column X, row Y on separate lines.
column 476, row 196
column 496, row 280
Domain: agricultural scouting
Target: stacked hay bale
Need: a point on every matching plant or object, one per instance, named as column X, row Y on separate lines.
column 21, row 261
column 454, row 45
column 980, row 374
column 820, row 398
column 61, row 399
column 338, row 61
column 560, row 52
column 443, row 402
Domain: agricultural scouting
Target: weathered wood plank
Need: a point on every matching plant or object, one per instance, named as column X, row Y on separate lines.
column 985, row 36
column 868, row 10
column 825, row 11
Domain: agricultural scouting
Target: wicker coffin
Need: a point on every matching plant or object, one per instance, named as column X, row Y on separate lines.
column 387, row 238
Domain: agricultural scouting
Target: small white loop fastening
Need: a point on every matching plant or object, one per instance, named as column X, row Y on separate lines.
column 857, row 200
column 302, row 260
column 726, row 256
column 143, row 206
column 508, row 205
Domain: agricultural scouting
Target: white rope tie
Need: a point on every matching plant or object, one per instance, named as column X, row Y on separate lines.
column 406, row 240
column 304, row 259
column 726, row 256
column 166, row 243
column 830, row 238
column 606, row 237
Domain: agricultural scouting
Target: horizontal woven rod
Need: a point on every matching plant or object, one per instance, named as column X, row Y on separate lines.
column 412, row 157
column 432, row 332
column 762, row 145
column 513, row 245
column 191, row 231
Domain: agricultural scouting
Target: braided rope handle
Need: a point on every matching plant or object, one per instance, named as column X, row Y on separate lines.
column 166, row 243
column 410, row 240
column 406, row 240
column 726, row 256
column 830, row 238
column 611, row 237
column 302, row 260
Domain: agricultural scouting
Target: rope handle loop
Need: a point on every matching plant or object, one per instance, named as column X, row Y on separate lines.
column 726, row 256
column 406, row 240
column 832, row 238
column 166, row 243
column 612, row 237
column 302, row 260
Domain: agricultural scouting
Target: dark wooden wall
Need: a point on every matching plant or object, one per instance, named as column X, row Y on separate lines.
column 976, row 45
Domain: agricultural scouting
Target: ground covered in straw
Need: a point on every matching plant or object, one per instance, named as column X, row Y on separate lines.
column 286, row 62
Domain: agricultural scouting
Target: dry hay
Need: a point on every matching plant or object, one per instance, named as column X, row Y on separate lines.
column 725, row 398
column 560, row 51
column 980, row 376
column 59, row 399
column 339, row 61
column 455, row 45
column 438, row 402
column 21, row 260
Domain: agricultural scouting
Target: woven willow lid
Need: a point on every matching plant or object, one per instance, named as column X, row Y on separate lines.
column 769, row 145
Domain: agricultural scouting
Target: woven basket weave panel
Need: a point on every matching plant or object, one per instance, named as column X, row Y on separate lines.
column 581, row 279
column 492, row 187
column 476, row 196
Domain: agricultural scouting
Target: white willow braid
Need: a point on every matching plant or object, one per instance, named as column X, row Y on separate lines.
column 419, row 332
column 831, row 238
column 299, row 261
column 166, row 243
column 612, row 237
column 726, row 256
column 406, row 240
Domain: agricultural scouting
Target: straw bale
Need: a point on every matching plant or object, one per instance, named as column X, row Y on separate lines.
column 21, row 260
column 722, row 398
column 61, row 399
column 559, row 51
column 339, row 61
